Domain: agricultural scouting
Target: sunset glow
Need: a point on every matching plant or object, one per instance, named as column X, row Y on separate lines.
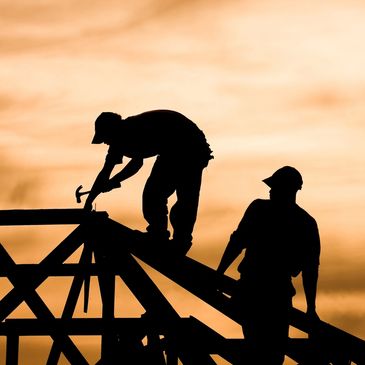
column 271, row 83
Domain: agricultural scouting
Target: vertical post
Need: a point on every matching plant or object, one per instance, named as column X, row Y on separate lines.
column 106, row 280
column 171, row 357
column 71, row 301
column 12, row 349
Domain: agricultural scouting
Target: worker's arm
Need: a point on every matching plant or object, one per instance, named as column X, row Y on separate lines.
column 102, row 182
column 132, row 167
column 310, row 278
column 99, row 183
column 310, row 270
column 238, row 239
column 231, row 252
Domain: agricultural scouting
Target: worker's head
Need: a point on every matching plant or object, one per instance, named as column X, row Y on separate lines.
column 284, row 183
column 106, row 124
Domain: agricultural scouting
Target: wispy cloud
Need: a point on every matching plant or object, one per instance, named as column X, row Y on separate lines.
column 270, row 82
column 20, row 186
column 48, row 26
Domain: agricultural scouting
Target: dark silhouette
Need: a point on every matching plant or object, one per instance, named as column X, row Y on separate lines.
column 182, row 153
column 160, row 336
column 280, row 241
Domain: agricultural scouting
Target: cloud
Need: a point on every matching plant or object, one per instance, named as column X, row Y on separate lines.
column 41, row 26
column 342, row 273
column 6, row 102
column 25, row 192
column 11, row 103
column 20, row 186
column 325, row 98
column 351, row 321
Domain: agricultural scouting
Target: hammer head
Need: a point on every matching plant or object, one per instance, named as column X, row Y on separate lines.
column 78, row 194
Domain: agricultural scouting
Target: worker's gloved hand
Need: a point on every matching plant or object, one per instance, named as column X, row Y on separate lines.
column 110, row 185
column 314, row 324
column 312, row 315
column 88, row 206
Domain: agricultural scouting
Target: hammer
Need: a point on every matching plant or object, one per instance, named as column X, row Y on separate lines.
column 78, row 193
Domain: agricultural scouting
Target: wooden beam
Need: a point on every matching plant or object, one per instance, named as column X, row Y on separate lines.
column 158, row 307
column 40, row 272
column 65, row 249
column 71, row 301
column 12, row 349
column 204, row 282
column 40, row 310
column 73, row 326
column 208, row 340
column 59, row 270
column 21, row 217
column 198, row 279
column 332, row 340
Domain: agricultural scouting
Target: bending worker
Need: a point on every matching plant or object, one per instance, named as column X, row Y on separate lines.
column 182, row 153
column 280, row 240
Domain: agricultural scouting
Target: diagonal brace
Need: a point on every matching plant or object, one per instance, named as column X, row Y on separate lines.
column 65, row 249
column 39, row 308
column 148, row 294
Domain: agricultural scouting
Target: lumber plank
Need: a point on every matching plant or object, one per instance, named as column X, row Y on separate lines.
column 20, row 217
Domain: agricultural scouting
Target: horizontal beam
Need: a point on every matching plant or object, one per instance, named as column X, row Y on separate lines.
column 98, row 326
column 20, row 217
column 74, row 326
column 87, row 326
column 60, row 270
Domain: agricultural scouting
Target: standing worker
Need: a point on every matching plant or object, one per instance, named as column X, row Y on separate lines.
column 182, row 153
column 280, row 241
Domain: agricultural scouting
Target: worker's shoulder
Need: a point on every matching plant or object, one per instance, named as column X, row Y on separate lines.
column 303, row 214
column 267, row 205
column 259, row 204
column 157, row 114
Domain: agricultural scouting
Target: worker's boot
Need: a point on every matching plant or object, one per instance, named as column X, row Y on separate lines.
column 157, row 236
column 181, row 246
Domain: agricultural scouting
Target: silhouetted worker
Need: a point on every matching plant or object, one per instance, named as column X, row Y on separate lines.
column 182, row 153
column 280, row 241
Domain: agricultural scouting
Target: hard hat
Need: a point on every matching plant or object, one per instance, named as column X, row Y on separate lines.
column 104, row 124
column 285, row 177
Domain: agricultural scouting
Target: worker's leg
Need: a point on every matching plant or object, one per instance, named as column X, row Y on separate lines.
column 158, row 188
column 183, row 213
column 266, row 328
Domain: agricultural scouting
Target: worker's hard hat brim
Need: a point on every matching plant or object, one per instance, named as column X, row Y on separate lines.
column 97, row 139
column 275, row 183
column 268, row 181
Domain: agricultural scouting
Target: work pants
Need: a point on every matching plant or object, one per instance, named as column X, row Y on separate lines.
column 169, row 176
column 265, row 325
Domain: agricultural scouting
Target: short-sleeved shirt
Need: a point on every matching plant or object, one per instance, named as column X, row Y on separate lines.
column 279, row 242
column 159, row 132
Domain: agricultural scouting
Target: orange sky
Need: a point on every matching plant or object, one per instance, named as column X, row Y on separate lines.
column 271, row 83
